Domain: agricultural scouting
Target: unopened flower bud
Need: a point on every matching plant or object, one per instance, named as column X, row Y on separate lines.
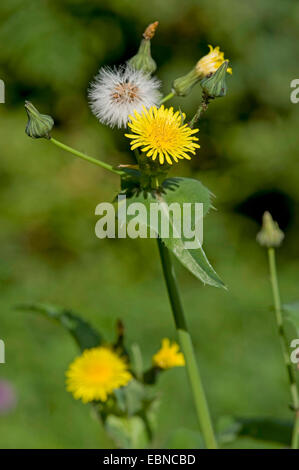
column 38, row 125
column 270, row 235
column 183, row 85
column 143, row 60
column 207, row 65
column 215, row 85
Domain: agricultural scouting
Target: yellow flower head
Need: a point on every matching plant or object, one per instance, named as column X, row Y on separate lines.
column 211, row 62
column 161, row 133
column 168, row 356
column 96, row 373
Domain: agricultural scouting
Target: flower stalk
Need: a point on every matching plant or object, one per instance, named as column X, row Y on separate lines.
column 86, row 157
column 200, row 401
column 167, row 97
column 201, row 109
column 284, row 345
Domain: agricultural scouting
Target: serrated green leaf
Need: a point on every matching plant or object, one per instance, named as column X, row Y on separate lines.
column 127, row 432
column 134, row 398
column 266, row 429
column 228, row 430
column 181, row 191
column 184, row 190
column 263, row 429
column 135, row 394
column 83, row 333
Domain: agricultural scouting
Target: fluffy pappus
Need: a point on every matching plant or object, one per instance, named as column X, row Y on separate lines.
column 116, row 92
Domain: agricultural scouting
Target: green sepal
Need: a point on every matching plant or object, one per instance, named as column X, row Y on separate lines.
column 182, row 86
column 215, row 85
column 143, row 60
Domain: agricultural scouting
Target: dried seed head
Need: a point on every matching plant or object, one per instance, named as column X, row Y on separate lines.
column 126, row 93
column 117, row 93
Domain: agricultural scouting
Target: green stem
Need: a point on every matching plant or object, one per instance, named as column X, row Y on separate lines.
column 295, row 434
column 201, row 109
column 167, row 97
column 199, row 397
column 284, row 346
column 86, row 157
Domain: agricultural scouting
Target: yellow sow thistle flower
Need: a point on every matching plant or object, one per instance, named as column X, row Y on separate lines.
column 168, row 356
column 161, row 133
column 96, row 374
column 211, row 62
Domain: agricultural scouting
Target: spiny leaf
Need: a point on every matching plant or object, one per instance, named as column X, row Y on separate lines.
column 83, row 333
column 266, row 429
column 127, row 432
column 180, row 191
column 262, row 429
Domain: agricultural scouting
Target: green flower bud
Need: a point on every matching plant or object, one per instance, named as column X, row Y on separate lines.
column 215, row 85
column 183, row 85
column 143, row 59
column 38, row 125
column 270, row 235
column 207, row 65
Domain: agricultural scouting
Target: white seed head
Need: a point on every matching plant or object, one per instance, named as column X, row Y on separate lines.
column 116, row 93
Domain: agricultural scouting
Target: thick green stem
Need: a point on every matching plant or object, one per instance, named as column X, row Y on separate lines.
column 199, row 397
column 86, row 157
column 284, row 346
column 167, row 97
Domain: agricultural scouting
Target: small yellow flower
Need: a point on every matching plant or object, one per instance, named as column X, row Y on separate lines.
column 211, row 62
column 168, row 356
column 96, row 374
column 161, row 133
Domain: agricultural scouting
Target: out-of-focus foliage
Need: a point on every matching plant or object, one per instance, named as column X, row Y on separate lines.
column 49, row 52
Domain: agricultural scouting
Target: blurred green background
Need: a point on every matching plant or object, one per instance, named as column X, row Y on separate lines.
column 248, row 158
